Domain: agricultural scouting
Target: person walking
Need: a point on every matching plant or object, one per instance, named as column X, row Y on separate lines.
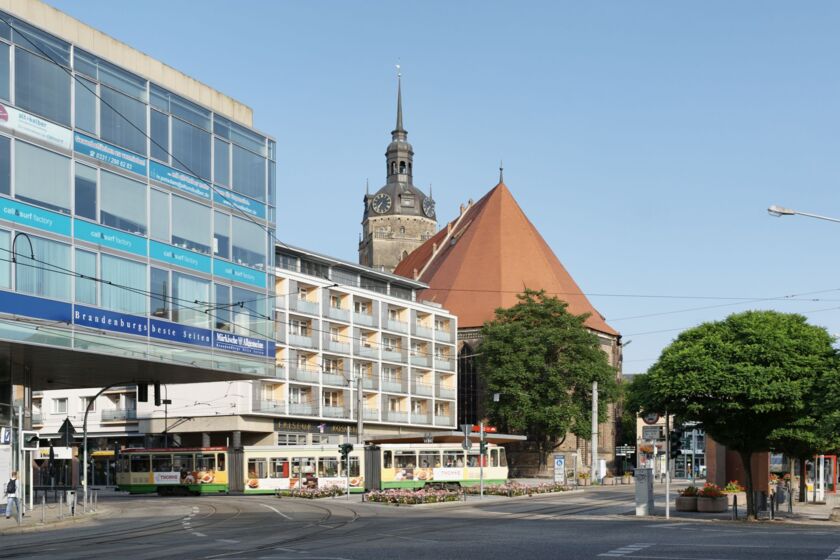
column 12, row 493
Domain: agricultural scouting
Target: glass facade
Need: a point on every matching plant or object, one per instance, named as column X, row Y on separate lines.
column 127, row 204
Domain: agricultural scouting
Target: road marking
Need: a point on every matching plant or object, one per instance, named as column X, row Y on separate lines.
column 625, row 550
column 834, row 555
column 197, row 534
column 228, row 541
column 276, row 511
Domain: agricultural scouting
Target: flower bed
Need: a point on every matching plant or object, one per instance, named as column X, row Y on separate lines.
column 511, row 489
column 311, row 493
column 412, row 497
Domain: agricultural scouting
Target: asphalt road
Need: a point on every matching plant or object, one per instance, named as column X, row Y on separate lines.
column 594, row 524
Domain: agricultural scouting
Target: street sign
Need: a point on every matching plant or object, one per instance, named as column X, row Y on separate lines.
column 624, row 450
column 651, row 433
column 560, row 469
column 651, row 418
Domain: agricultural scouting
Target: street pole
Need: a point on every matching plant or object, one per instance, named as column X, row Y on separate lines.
column 667, row 466
column 481, row 460
column 594, row 444
column 360, row 407
column 21, row 458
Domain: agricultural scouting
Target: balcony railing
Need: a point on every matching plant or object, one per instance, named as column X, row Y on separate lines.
column 397, row 326
column 393, row 355
column 302, row 374
column 444, row 421
column 311, row 307
column 367, row 351
column 443, row 336
column 118, row 415
column 335, row 346
column 336, row 412
column 445, row 392
column 338, row 313
column 443, row 363
column 369, row 382
column 393, row 386
column 423, row 332
column 397, row 416
column 422, row 389
column 420, row 360
column 371, row 414
column 271, row 406
column 37, row 419
column 364, row 319
column 306, row 409
column 334, row 379
column 420, row 419
column 301, row 340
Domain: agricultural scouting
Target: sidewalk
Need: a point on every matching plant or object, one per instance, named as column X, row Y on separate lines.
column 49, row 517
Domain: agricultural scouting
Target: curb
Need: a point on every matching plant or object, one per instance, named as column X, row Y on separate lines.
column 52, row 524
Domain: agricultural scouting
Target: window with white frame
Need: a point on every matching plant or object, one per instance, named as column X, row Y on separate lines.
column 291, row 439
column 441, row 325
column 59, row 406
column 441, row 409
column 393, row 404
column 391, row 344
column 390, row 373
column 394, row 314
column 302, row 292
column 299, row 327
column 361, row 307
column 416, row 407
column 302, row 361
column 335, row 334
column 335, row 302
column 332, row 398
column 298, row 395
column 83, row 404
column 332, row 365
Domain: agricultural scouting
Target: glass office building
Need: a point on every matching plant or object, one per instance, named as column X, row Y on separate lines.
column 135, row 221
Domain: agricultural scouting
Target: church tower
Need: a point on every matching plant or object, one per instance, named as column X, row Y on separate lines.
column 399, row 217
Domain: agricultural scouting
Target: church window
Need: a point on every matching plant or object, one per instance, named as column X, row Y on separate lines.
column 402, row 230
column 402, row 167
column 404, row 255
column 409, row 168
column 393, row 167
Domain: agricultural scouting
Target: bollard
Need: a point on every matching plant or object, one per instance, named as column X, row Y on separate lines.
column 772, row 505
column 735, row 507
column 60, row 507
column 96, row 500
column 43, row 509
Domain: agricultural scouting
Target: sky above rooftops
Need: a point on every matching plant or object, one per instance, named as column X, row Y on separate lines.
column 644, row 140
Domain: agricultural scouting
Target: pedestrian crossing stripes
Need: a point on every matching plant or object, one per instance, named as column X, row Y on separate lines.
column 834, row 555
column 631, row 548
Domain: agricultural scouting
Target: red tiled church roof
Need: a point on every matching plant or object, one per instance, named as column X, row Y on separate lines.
column 488, row 255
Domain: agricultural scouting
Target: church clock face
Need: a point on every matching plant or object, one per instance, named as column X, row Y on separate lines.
column 381, row 203
column 429, row 207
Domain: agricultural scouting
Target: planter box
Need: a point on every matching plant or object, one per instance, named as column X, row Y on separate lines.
column 742, row 499
column 712, row 505
column 583, row 482
column 627, row 480
column 608, row 481
column 686, row 503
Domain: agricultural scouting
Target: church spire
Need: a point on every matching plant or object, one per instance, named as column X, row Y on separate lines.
column 399, row 133
column 501, row 172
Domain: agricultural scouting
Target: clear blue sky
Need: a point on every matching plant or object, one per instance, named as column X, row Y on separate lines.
column 645, row 140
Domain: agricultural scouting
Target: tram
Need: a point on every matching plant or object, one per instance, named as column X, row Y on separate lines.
column 267, row 469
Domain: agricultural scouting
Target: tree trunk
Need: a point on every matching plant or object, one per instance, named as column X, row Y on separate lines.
column 746, row 460
column 803, row 488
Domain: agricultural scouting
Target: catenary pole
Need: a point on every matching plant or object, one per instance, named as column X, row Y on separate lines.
column 594, row 467
column 667, row 466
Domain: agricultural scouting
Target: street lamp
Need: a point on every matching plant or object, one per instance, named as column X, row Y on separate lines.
column 779, row 211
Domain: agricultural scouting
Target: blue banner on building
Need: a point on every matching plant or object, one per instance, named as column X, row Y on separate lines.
column 239, row 273
column 111, row 238
column 242, row 344
column 108, row 153
column 229, row 198
column 31, row 306
column 178, row 180
column 179, row 257
column 32, row 216
column 110, row 320
column 174, row 332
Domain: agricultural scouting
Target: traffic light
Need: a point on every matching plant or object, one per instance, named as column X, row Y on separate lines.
column 676, row 437
column 345, row 449
column 157, row 393
column 142, row 392
column 482, row 447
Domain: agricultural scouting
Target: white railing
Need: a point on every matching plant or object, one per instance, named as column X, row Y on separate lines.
column 301, row 374
column 340, row 314
column 393, row 356
column 118, row 415
column 334, row 379
column 444, row 421
column 397, row 416
column 424, row 332
column 443, row 363
column 363, row 319
column 371, row 414
column 398, row 326
column 420, row 419
column 339, row 347
column 311, row 307
column 420, row 361
column 393, row 386
column 446, row 392
column 336, row 412
column 367, row 351
column 300, row 340
column 269, row 405
column 302, row 408
column 422, row 388
column 443, row 336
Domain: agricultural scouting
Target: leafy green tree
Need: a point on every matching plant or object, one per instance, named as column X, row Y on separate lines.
column 744, row 378
column 804, row 438
column 543, row 360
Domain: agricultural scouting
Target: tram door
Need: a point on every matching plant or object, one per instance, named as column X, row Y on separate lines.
column 303, row 473
column 373, row 467
column 236, row 478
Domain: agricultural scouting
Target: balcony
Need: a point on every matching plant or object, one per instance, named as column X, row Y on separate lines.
column 334, row 379
column 301, row 340
column 338, row 347
column 369, row 382
column 338, row 313
column 420, row 360
column 364, row 319
column 396, row 416
column 303, row 374
column 420, row 419
column 311, row 307
column 305, row 409
column 445, row 392
column 443, row 336
column 397, row 326
column 118, row 415
column 444, row 421
column 335, row 412
column 37, row 419
column 393, row 386
column 270, row 406
column 422, row 389
column 443, row 363
column 371, row 414
column 393, row 355
column 422, row 332
column 367, row 351
column 277, row 372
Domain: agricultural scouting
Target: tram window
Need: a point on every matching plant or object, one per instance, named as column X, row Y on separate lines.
column 161, row 463
column 354, row 466
column 139, row 463
column 279, row 467
column 494, row 457
column 220, row 458
column 303, row 465
column 257, row 468
column 502, row 457
column 429, row 459
column 122, row 464
column 387, row 459
column 405, row 459
column 453, row 458
column 183, row 463
column 205, row 462
column 327, row 467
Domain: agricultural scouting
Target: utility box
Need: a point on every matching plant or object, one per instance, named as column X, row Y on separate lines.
column 70, row 499
column 644, row 492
